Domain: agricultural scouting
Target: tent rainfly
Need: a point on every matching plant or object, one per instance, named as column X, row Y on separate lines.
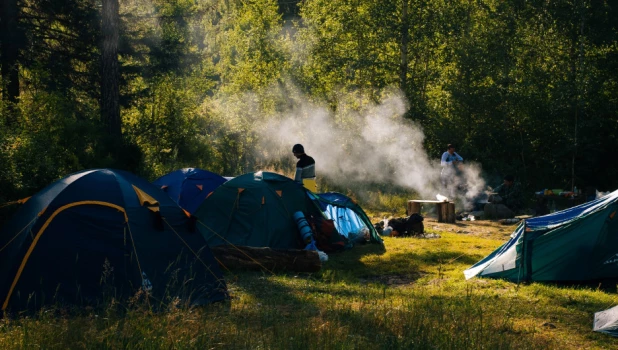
column 99, row 233
column 576, row 244
column 189, row 186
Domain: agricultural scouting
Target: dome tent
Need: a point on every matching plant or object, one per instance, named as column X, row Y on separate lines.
column 103, row 230
column 256, row 210
column 189, row 186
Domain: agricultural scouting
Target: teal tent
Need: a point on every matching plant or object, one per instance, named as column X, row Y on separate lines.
column 576, row 244
column 255, row 210
column 103, row 233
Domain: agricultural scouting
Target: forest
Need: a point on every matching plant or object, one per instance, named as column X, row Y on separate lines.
column 528, row 88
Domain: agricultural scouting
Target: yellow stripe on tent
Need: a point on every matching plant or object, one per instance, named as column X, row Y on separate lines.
column 144, row 198
column 38, row 235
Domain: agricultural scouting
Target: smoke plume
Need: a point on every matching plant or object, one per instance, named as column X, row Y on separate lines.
column 369, row 144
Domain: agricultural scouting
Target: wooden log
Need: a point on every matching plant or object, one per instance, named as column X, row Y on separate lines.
column 413, row 207
column 450, row 217
column 446, row 212
column 441, row 209
column 254, row 258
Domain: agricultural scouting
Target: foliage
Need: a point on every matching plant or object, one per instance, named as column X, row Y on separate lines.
column 527, row 88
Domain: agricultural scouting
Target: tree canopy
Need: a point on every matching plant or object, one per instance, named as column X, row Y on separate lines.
column 528, row 88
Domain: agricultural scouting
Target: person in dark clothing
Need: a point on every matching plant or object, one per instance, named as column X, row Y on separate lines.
column 305, row 168
column 510, row 193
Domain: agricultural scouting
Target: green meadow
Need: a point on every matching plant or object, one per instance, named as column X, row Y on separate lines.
column 408, row 294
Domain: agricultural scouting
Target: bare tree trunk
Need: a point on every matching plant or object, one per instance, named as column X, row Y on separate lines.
column 403, row 68
column 110, row 76
column 9, row 48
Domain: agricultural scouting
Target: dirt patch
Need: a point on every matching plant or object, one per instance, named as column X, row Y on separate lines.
column 481, row 228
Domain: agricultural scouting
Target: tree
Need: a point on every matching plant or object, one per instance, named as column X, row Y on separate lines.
column 110, row 76
column 9, row 38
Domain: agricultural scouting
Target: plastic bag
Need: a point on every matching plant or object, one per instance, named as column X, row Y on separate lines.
column 323, row 256
column 387, row 231
column 311, row 246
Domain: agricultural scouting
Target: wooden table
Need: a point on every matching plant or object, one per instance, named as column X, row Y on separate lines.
column 445, row 210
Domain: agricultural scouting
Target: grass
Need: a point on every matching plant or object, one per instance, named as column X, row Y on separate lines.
column 409, row 294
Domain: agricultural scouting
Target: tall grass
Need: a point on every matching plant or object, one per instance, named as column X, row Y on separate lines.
column 409, row 295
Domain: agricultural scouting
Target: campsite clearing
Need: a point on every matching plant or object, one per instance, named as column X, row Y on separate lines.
column 409, row 294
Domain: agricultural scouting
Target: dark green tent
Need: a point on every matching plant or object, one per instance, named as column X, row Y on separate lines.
column 256, row 210
column 576, row 244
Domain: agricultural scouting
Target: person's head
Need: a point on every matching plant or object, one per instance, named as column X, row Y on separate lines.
column 450, row 148
column 298, row 150
column 508, row 180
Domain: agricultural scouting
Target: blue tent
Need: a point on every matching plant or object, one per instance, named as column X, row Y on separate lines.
column 348, row 216
column 189, row 186
column 576, row 244
column 100, row 233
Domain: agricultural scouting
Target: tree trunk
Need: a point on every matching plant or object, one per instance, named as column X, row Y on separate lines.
column 110, row 76
column 578, row 38
column 9, row 49
column 403, row 68
column 251, row 258
column 446, row 212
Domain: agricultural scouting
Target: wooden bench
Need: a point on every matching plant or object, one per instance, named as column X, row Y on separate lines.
column 445, row 210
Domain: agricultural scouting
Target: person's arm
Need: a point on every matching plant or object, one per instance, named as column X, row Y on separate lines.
column 298, row 176
column 498, row 189
column 459, row 159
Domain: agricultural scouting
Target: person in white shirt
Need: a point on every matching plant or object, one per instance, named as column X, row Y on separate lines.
column 450, row 161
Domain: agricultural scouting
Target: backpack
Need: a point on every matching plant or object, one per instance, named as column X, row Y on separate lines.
column 327, row 238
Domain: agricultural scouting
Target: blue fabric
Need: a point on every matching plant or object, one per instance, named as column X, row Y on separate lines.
column 311, row 246
column 348, row 216
column 183, row 186
column 486, row 261
column 346, row 220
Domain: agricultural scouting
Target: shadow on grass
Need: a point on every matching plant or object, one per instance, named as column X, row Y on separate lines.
column 323, row 315
column 290, row 312
column 440, row 257
column 609, row 286
column 407, row 265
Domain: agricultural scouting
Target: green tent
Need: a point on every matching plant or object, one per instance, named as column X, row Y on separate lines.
column 256, row 210
column 576, row 244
